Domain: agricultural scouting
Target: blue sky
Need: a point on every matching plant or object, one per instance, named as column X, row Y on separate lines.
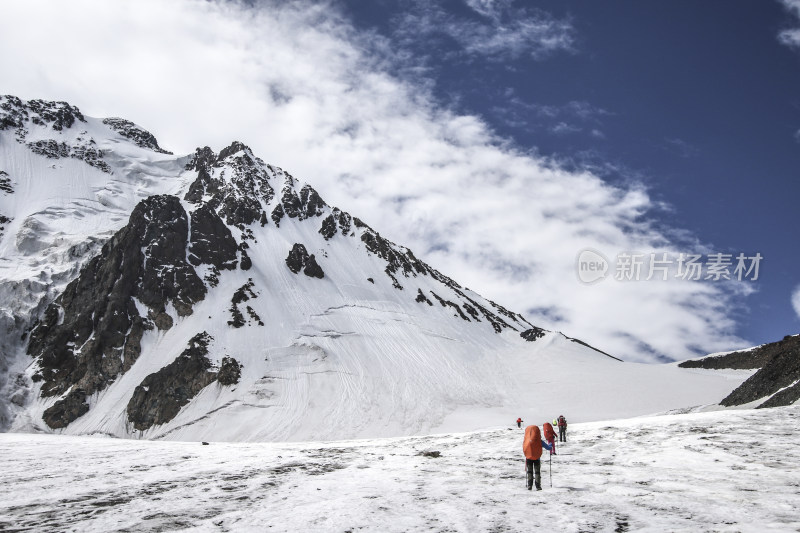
column 697, row 100
column 496, row 139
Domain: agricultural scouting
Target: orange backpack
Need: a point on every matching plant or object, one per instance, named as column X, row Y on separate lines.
column 549, row 433
column 532, row 445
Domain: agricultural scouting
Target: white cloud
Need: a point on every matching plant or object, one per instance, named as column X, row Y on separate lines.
column 796, row 300
column 297, row 83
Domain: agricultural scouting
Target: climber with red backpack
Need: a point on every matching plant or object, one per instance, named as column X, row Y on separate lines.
column 562, row 429
column 519, row 422
column 532, row 448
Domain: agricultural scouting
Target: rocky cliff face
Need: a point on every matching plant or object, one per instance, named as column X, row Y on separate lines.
column 777, row 380
column 160, row 396
column 92, row 332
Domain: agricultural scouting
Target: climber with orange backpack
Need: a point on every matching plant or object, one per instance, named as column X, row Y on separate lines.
column 532, row 448
column 550, row 436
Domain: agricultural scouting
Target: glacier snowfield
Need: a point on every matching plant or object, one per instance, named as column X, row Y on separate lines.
column 734, row 470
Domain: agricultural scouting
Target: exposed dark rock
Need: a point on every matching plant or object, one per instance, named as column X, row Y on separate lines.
column 787, row 396
column 211, row 241
column 328, row 229
column 455, row 306
column 345, row 221
column 65, row 411
column 578, row 341
column 233, row 148
column 434, row 454
column 297, row 258
column 139, row 136
column 422, row 298
column 252, row 314
column 745, row 359
column 55, row 150
column 50, row 148
column 277, row 215
column 371, row 280
column 471, row 311
column 781, row 370
column 92, row 332
column 230, row 371
column 238, row 200
column 305, row 205
column 14, row 113
column 312, row 269
column 212, row 277
column 313, row 205
column 203, row 159
column 4, row 220
column 245, row 263
column 5, row 183
column 336, row 220
column 402, row 261
column 532, row 334
column 161, row 395
column 58, row 115
column 243, row 294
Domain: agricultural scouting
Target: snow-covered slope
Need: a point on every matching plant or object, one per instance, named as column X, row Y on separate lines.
column 230, row 302
column 67, row 183
column 695, row 472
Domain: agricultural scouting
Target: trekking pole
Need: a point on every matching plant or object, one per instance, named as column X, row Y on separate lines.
column 550, row 469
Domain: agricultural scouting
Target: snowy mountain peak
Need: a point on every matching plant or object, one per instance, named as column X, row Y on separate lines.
column 216, row 296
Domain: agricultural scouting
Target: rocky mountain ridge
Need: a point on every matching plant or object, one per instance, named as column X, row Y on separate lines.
column 216, row 296
column 777, row 381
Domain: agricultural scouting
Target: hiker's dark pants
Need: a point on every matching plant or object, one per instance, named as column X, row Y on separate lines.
column 519, row 424
column 534, row 466
column 562, row 434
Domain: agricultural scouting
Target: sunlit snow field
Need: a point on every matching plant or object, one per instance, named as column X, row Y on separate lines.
column 714, row 471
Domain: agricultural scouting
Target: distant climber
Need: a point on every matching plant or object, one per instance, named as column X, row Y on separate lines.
column 562, row 429
column 532, row 448
column 550, row 436
column 519, row 422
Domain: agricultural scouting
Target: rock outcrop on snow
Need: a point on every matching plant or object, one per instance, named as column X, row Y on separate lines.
column 777, row 380
column 160, row 396
column 92, row 332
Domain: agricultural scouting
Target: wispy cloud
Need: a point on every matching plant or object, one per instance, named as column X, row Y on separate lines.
column 572, row 117
column 791, row 37
column 680, row 147
column 796, row 300
column 298, row 83
column 562, row 128
column 499, row 31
